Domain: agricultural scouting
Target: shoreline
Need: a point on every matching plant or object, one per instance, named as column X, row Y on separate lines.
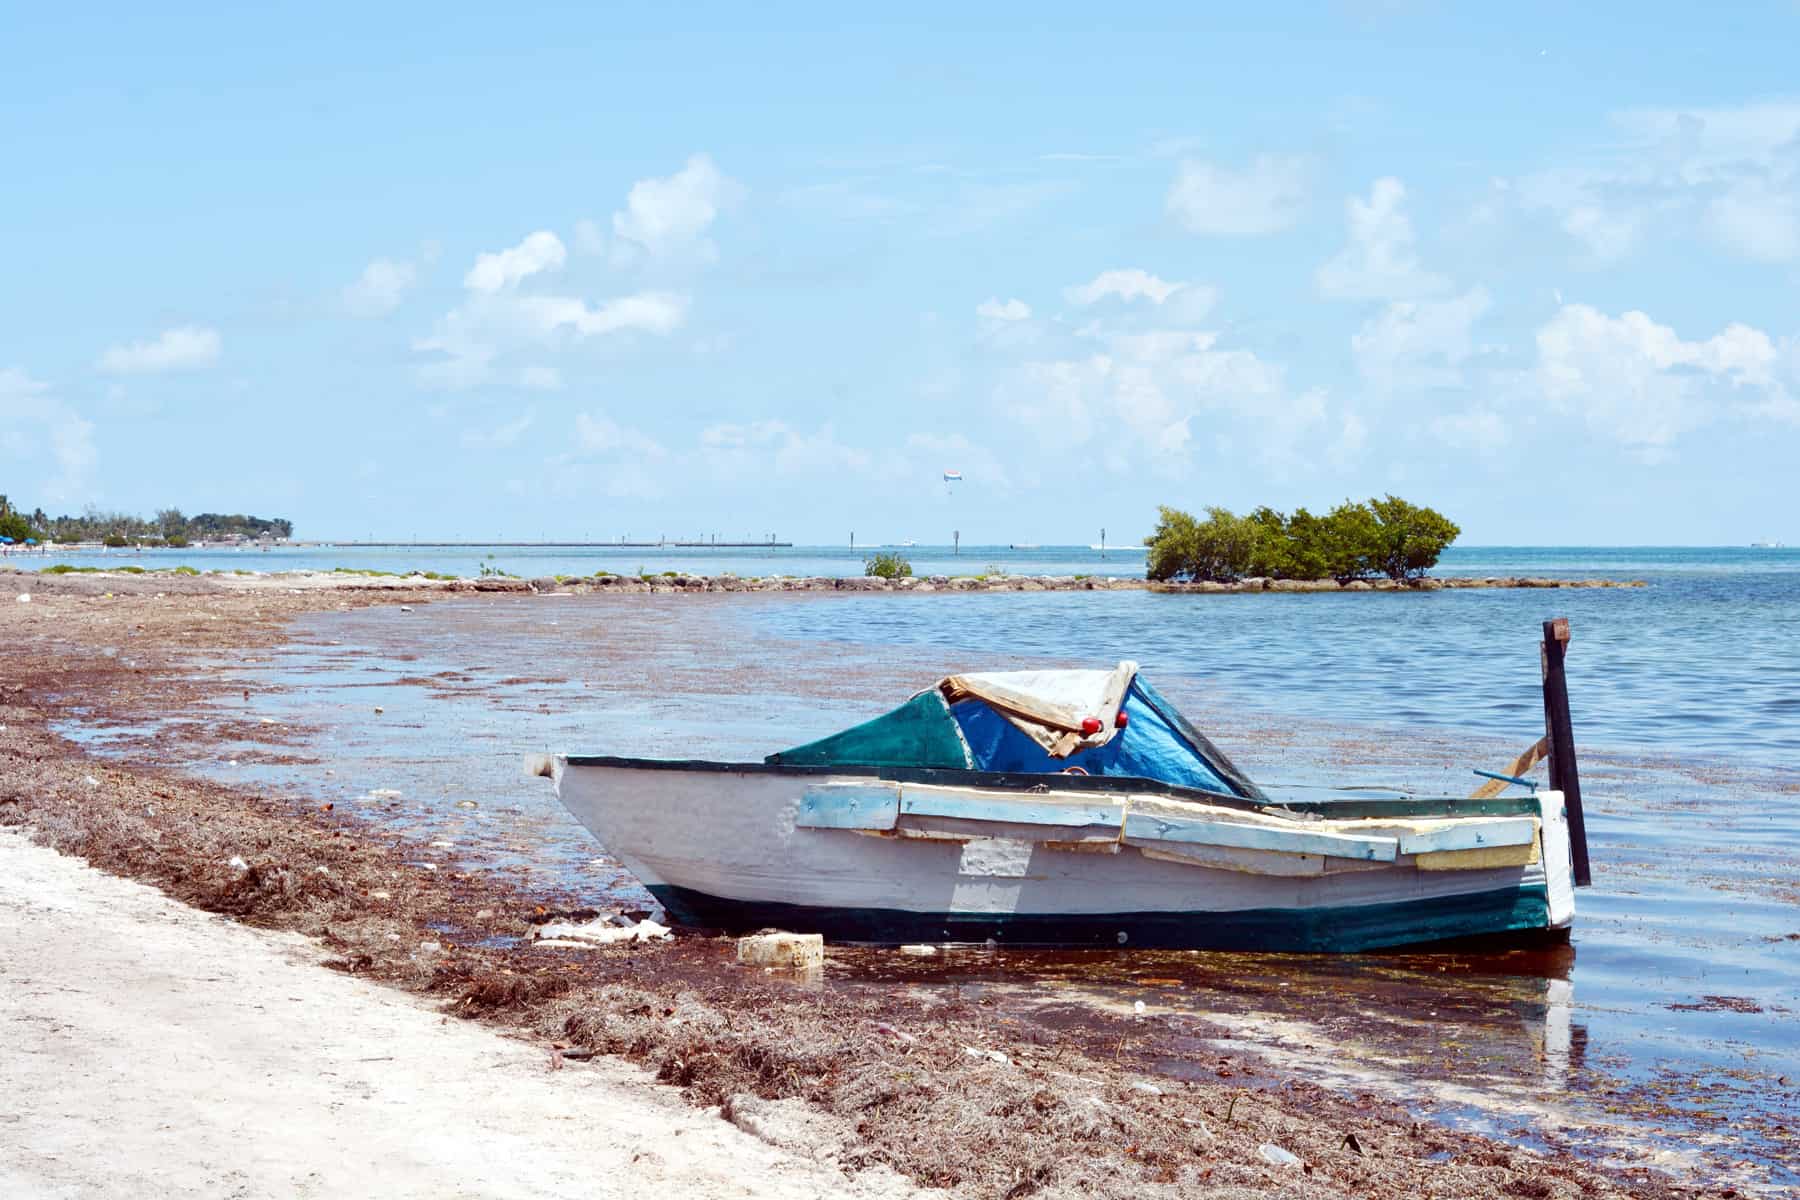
column 888, row 1071
column 676, row 582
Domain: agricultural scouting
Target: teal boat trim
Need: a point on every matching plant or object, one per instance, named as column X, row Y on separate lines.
column 1522, row 912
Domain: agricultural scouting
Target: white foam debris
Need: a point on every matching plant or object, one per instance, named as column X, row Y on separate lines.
column 598, row 932
column 990, row 1055
column 1274, row 1155
column 237, row 864
column 919, row 949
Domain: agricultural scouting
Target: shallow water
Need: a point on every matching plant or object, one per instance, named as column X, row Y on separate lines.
column 533, row 561
column 1674, row 1009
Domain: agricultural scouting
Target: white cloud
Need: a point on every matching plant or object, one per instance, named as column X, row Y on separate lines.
column 473, row 336
column 1639, row 383
column 741, row 449
column 1758, row 219
column 1146, row 393
column 597, row 433
column 1380, row 262
column 1266, row 196
column 1419, row 343
column 589, row 237
column 187, row 348
column 645, row 312
column 378, row 290
column 995, row 309
column 31, row 415
column 501, row 269
column 1480, row 430
column 1732, row 174
column 670, row 216
column 543, row 379
column 1131, row 284
column 501, row 436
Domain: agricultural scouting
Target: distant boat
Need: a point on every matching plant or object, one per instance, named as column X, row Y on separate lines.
column 1103, row 547
column 1069, row 808
column 1767, row 546
column 1023, row 546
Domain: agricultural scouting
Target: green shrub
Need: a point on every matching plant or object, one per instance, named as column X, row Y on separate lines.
column 1353, row 541
column 887, row 565
column 1408, row 537
column 114, row 540
column 1223, row 547
column 185, row 570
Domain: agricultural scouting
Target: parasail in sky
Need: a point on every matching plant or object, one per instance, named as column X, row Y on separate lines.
column 952, row 476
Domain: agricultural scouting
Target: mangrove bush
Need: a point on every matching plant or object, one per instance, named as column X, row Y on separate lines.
column 1389, row 536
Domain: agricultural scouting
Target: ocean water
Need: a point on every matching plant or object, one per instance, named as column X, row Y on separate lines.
column 1633, row 562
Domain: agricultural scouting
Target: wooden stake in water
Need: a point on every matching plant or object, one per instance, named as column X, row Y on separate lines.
column 1560, row 733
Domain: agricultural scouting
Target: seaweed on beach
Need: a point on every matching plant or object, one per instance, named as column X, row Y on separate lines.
column 952, row 1093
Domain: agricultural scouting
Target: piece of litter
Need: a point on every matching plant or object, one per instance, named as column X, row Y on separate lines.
column 442, row 845
column 268, row 720
column 24, row 597
column 384, row 793
column 427, row 866
column 1275, row 1156
column 90, row 781
column 1137, row 1006
column 920, row 949
column 599, row 932
column 406, row 608
column 1149, row 1089
column 798, row 951
column 990, row 1055
column 379, row 895
column 430, row 947
column 237, row 864
column 380, row 709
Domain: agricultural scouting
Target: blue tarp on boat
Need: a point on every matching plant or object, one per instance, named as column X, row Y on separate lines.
column 1039, row 723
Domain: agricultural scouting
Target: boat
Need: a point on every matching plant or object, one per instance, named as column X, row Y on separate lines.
column 1078, row 808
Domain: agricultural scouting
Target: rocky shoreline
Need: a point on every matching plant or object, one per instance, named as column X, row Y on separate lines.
column 1009, row 583
column 673, row 582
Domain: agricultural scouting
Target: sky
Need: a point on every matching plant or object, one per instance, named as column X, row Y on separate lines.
column 529, row 271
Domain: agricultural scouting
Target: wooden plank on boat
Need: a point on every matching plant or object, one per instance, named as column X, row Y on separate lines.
column 1227, row 858
column 849, row 806
column 1487, row 858
column 1471, row 835
column 1141, row 828
column 966, row 806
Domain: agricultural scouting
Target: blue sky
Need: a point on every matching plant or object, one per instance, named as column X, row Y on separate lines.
column 409, row 270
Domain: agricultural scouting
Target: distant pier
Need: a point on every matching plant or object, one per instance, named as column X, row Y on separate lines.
column 669, row 543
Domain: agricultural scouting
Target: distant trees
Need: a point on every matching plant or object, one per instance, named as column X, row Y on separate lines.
column 1389, row 536
column 168, row 527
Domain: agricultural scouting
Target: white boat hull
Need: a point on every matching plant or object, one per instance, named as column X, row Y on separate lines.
column 859, row 858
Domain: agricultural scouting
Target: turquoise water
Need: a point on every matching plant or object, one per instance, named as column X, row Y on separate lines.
column 926, row 560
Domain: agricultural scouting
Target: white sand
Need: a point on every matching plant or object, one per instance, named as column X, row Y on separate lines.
column 148, row 1049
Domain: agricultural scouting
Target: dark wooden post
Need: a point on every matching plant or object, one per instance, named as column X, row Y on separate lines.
column 1564, row 776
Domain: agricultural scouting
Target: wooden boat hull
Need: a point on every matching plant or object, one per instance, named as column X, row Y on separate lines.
column 858, row 857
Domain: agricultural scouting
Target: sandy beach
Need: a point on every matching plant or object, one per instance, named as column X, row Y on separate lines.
column 426, row 1026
